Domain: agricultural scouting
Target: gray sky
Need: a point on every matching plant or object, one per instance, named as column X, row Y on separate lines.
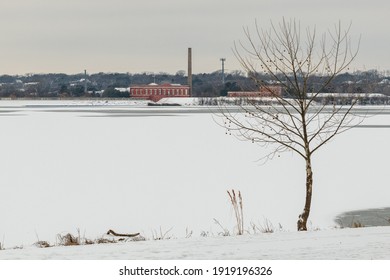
column 67, row 36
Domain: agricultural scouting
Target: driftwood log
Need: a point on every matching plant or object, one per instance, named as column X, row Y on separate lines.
column 111, row 232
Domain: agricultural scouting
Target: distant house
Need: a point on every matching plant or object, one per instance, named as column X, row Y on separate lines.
column 123, row 90
column 268, row 91
column 156, row 92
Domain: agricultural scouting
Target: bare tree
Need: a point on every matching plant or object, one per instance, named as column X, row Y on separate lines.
column 303, row 66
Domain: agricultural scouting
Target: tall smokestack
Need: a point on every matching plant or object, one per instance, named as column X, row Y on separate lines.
column 190, row 70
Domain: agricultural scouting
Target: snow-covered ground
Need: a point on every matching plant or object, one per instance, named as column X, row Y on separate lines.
column 341, row 244
column 96, row 165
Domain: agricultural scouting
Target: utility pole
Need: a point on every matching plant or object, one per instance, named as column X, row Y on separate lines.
column 190, row 70
column 223, row 70
column 85, row 82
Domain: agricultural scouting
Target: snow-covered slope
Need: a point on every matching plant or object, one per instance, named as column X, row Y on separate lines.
column 345, row 244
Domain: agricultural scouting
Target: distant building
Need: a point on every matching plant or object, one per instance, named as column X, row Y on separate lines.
column 123, row 90
column 268, row 91
column 156, row 92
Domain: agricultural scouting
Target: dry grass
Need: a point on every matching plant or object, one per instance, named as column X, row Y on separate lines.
column 103, row 240
column 68, row 240
column 357, row 225
column 72, row 240
column 42, row 244
column 88, row 241
column 236, row 201
column 352, row 224
column 224, row 232
column 265, row 227
column 188, row 232
column 162, row 235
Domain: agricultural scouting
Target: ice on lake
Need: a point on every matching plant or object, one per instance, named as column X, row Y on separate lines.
column 94, row 166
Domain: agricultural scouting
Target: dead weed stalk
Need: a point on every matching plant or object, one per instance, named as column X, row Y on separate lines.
column 224, row 232
column 162, row 235
column 236, row 201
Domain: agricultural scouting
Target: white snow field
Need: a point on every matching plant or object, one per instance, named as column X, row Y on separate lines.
column 371, row 243
column 97, row 165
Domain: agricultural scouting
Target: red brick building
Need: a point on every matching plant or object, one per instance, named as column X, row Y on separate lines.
column 156, row 92
column 268, row 91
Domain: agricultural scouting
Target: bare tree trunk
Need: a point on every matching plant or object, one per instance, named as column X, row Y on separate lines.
column 302, row 221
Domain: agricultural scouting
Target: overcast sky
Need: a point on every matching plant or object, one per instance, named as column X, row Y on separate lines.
column 68, row 36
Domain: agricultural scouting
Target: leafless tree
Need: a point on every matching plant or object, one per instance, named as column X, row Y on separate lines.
column 303, row 65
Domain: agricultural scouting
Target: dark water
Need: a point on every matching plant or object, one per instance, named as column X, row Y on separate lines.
column 366, row 218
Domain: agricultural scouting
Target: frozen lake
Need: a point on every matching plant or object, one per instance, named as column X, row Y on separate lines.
column 95, row 165
column 366, row 217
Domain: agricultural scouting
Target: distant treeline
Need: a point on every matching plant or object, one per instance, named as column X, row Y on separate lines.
column 113, row 85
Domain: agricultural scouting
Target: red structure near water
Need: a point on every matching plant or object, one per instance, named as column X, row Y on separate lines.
column 156, row 92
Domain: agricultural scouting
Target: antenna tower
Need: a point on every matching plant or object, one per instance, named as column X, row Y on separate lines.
column 223, row 70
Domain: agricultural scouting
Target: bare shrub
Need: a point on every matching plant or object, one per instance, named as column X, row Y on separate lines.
column 236, row 201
